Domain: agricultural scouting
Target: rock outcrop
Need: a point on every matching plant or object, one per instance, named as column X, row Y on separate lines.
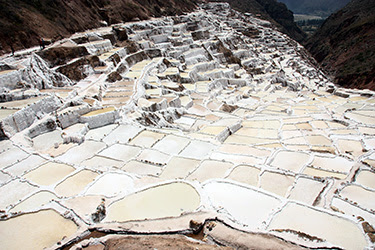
column 344, row 45
column 273, row 11
column 24, row 22
column 198, row 129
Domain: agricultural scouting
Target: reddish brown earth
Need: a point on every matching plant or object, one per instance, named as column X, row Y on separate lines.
column 213, row 235
column 158, row 242
column 276, row 12
column 24, row 22
column 345, row 45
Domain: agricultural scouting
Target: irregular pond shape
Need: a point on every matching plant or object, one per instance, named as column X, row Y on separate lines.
column 318, row 140
column 6, row 112
column 213, row 130
column 19, row 104
column 271, row 124
column 276, row 183
column 236, row 159
column 37, row 200
column 259, row 133
column 49, row 173
column 360, row 118
column 336, row 230
column 122, row 134
column 292, row 161
column 14, row 191
column 76, row 128
column 243, row 150
column 366, row 178
column 352, row 210
column 171, row 144
column 75, row 184
column 120, row 152
column 11, row 156
column 210, row 169
column 247, row 140
column 35, row 230
column 100, row 111
column 84, row 206
column 306, row 190
column 4, row 178
column 323, row 173
column 166, row 200
column 246, row 205
column 25, row 165
column 154, row 157
column 110, row 185
column 141, row 168
column 82, row 152
column 245, row 174
column 99, row 133
column 363, row 197
column 146, row 138
column 337, row 164
column 197, row 150
column 47, row 140
column 102, row 163
column 352, row 147
column 179, row 167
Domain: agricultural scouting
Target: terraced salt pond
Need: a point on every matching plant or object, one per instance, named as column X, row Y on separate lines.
column 99, row 111
column 75, row 184
column 319, row 224
column 34, row 236
column 6, row 112
column 161, row 138
column 49, row 173
column 19, row 104
column 246, row 205
column 158, row 202
column 34, row 202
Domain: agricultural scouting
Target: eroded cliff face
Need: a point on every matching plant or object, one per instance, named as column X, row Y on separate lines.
column 273, row 11
column 345, row 45
column 24, row 22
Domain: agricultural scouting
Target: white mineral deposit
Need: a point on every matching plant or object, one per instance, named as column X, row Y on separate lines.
column 199, row 125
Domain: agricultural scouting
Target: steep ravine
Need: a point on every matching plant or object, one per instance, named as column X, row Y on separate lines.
column 345, row 45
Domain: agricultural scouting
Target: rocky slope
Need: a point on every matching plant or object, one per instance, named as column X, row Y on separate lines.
column 211, row 125
column 345, row 45
column 23, row 22
column 273, row 11
column 316, row 7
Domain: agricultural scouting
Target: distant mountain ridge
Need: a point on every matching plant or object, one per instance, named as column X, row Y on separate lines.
column 345, row 45
column 315, row 7
column 271, row 10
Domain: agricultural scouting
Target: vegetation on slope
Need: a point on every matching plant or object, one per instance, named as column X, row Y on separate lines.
column 271, row 10
column 23, row 22
column 316, row 7
column 345, row 45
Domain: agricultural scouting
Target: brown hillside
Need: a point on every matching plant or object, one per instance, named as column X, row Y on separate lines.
column 345, row 45
column 271, row 10
column 23, row 22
